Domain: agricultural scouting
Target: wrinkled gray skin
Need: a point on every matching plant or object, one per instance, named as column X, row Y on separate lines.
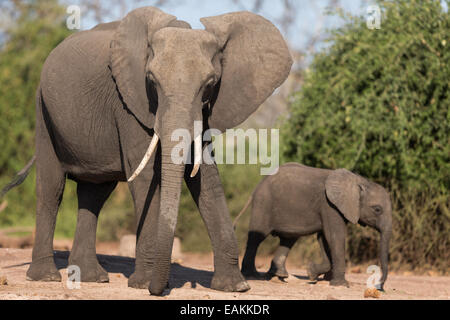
column 300, row 201
column 105, row 92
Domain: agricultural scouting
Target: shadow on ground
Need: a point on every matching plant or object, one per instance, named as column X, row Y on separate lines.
column 179, row 275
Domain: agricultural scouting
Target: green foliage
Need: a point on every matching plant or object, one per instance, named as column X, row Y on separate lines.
column 376, row 102
column 117, row 217
column 37, row 29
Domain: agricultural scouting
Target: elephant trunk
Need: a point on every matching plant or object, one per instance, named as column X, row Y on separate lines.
column 171, row 182
column 172, row 174
column 384, row 253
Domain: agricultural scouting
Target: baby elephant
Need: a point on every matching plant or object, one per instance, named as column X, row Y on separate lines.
column 299, row 201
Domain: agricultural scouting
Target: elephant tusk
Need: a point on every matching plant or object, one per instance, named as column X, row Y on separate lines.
column 197, row 155
column 147, row 156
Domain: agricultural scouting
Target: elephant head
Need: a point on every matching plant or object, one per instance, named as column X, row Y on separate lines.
column 169, row 76
column 363, row 201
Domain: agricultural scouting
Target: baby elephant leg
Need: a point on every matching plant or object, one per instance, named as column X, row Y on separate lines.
column 334, row 230
column 248, row 263
column 314, row 269
column 278, row 266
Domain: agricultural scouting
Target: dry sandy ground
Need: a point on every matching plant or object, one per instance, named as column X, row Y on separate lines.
column 191, row 280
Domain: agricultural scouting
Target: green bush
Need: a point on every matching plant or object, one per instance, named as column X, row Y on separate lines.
column 37, row 29
column 376, row 102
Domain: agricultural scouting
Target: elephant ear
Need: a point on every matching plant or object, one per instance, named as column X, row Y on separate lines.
column 128, row 58
column 180, row 24
column 343, row 190
column 256, row 61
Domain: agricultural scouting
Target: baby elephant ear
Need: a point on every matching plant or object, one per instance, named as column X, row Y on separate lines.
column 256, row 61
column 343, row 191
column 128, row 58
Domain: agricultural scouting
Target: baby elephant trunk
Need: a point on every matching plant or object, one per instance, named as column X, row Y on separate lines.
column 384, row 253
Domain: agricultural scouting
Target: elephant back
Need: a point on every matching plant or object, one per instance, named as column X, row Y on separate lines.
column 77, row 71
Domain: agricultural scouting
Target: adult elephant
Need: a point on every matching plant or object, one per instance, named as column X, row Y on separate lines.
column 109, row 97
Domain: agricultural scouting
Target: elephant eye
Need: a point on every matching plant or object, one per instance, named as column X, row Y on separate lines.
column 151, row 77
column 210, row 83
column 208, row 91
column 377, row 210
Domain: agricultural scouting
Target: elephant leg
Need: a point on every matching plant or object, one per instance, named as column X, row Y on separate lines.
column 248, row 263
column 315, row 270
column 207, row 191
column 146, row 195
column 50, row 182
column 91, row 198
column 278, row 265
column 334, row 230
column 259, row 229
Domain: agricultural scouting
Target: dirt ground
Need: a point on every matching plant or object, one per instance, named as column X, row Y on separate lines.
column 190, row 279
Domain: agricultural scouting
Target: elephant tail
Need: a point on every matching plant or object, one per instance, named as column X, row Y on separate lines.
column 242, row 211
column 19, row 178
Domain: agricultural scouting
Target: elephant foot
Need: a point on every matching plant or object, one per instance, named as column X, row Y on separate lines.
column 328, row 276
column 279, row 274
column 250, row 273
column 43, row 270
column 277, row 271
column 90, row 270
column 255, row 275
column 140, row 280
column 313, row 275
column 314, row 271
column 339, row 283
column 229, row 282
